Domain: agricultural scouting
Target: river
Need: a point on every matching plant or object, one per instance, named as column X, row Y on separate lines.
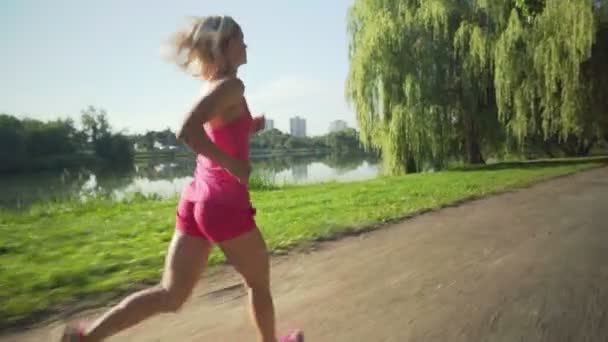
column 165, row 177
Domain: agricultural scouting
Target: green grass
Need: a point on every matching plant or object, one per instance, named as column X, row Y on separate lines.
column 53, row 256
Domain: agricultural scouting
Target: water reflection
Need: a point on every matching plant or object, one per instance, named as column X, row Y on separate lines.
column 166, row 178
column 299, row 172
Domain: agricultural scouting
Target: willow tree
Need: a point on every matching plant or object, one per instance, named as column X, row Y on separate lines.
column 420, row 78
column 596, row 69
column 551, row 73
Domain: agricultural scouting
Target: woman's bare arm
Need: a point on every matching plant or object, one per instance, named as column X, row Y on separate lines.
column 224, row 95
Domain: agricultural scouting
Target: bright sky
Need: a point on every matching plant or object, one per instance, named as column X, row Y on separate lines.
column 60, row 56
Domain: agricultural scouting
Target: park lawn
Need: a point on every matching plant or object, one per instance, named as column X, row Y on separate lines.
column 53, row 256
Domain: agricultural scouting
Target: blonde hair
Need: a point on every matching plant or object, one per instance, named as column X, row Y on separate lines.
column 200, row 47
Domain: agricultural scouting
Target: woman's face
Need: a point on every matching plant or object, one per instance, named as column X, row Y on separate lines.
column 237, row 50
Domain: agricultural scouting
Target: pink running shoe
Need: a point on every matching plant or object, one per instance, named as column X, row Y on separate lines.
column 295, row 336
column 73, row 333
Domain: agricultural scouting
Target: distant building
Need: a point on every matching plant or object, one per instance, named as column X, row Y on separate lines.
column 297, row 126
column 337, row 126
column 269, row 124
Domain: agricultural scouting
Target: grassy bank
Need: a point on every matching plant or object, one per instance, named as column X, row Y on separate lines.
column 54, row 255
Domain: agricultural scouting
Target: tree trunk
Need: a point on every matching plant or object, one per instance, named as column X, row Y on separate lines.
column 585, row 148
column 473, row 147
column 474, row 153
column 574, row 147
column 94, row 134
column 410, row 165
column 547, row 148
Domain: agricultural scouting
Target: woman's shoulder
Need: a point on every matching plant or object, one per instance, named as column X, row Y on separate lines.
column 228, row 85
column 227, row 90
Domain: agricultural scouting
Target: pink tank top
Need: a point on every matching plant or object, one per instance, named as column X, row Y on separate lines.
column 232, row 139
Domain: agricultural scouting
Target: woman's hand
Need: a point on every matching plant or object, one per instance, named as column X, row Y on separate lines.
column 259, row 122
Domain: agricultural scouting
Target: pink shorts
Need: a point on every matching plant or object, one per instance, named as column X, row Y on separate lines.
column 220, row 215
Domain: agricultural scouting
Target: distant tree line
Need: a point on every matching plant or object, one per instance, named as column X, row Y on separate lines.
column 346, row 141
column 157, row 140
column 28, row 144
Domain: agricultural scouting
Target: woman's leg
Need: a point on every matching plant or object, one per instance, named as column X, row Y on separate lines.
column 248, row 255
column 186, row 259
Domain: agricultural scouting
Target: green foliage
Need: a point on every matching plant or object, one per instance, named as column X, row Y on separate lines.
column 13, row 143
column 94, row 123
column 28, row 144
column 437, row 80
column 420, row 79
column 529, row 8
column 261, row 182
column 49, row 138
column 22, row 141
column 346, row 140
column 115, row 148
column 548, row 74
column 271, row 139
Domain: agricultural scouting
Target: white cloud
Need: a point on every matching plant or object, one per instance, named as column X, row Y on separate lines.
column 318, row 100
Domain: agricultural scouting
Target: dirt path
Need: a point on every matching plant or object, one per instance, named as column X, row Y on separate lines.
column 530, row 265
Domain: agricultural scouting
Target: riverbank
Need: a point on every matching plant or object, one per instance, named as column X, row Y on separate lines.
column 87, row 159
column 53, row 256
column 254, row 153
column 56, row 162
